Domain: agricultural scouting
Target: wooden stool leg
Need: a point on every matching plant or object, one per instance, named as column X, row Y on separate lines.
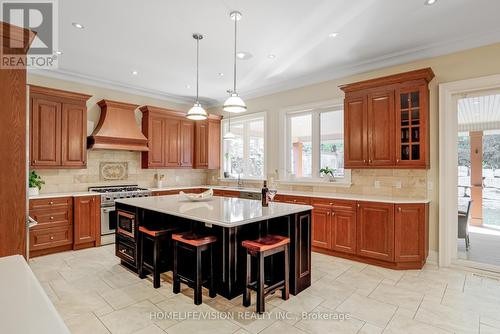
column 156, row 263
column 176, row 282
column 212, row 292
column 248, row 274
column 285, row 293
column 198, row 279
column 141, row 258
column 260, row 284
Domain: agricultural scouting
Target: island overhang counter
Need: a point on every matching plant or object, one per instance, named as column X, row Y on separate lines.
column 231, row 220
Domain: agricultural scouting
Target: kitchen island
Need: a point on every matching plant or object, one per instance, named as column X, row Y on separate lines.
column 231, row 220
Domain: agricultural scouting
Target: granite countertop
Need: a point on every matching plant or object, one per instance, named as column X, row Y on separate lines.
column 222, row 211
column 25, row 307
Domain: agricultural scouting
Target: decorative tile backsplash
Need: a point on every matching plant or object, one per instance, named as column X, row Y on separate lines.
column 121, row 168
column 113, row 171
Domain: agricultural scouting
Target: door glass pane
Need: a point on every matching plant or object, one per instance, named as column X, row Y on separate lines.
column 301, row 145
column 415, row 99
column 233, row 151
column 404, row 101
column 332, row 141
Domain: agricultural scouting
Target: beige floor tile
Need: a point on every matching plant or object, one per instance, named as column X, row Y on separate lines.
column 86, row 324
column 400, row 324
column 205, row 326
column 71, row 305
column 363, row 282
column 490, row 322
column 369, row 310
column 282, row 327
column 120, row 298
column 303, row 302
column 153, row 329
column 486, row 305
column 131, row 318
column 332, row 291
column 485, row 329
column 120, row 280
column 323, row 320
column 370, row 329
column 397, row 296
column 448, row 318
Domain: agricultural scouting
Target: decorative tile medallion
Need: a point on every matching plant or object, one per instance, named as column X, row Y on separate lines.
column 113, row 171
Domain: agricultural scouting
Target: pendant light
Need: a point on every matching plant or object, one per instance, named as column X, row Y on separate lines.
column 197, row 113
column 234, row 103
column 229, row 135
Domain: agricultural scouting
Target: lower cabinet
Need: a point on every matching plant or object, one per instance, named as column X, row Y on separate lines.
column 375, row 230
column 411, row 225
column 344, row 231
column 64, row 223
column 321, row 227
column 86, row 219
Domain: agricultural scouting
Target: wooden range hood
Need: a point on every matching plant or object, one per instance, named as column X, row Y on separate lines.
column 117, row 128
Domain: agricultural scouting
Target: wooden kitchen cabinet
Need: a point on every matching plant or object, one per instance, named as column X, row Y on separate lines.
column 321, row 227
column 343, row 234
column 207, row 143
column 87, row 221
column 386, row 121
column 54, row 231
column 170, row 138
column 58, row 128
column 410, row 229
column 375, row 230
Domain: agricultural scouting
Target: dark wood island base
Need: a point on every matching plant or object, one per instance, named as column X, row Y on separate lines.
column 229, row 255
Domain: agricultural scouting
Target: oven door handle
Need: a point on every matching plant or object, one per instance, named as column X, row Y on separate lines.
column 108, row 209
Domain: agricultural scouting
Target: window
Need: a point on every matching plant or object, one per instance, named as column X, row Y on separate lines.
column 315, row 140
column 244, row 156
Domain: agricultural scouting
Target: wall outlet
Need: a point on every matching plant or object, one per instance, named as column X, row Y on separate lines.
column 377, row 184
column 397, row 184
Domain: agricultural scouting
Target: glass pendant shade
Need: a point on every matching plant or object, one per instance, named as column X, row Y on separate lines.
column 197, row 113
column 229, row 136
column 234, row 104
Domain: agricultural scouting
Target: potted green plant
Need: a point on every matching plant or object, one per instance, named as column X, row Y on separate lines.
column 35, row 183
column 329, row 172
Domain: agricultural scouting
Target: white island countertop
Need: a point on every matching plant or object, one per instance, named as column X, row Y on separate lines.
column 222, row 211
column 25, row 307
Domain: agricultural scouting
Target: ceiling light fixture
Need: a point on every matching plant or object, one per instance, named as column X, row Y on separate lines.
column 430, row 2
column 271, row 56
column 77, row 25
column 333, row 34
column 188, row 86
column 229, row 135
column 220, row 74
column 234, row 103
column 59, row 53
column 135, row 72
column 197, row 113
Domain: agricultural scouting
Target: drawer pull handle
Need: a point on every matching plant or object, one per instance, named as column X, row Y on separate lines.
column 328, row 213
column 359, row 205
column 399, row 209
column 51, row 202
column 51, row 218
column 331, row 203
column 51, row 237
column 333, row 213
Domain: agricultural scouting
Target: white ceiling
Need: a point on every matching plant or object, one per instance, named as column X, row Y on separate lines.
column 154, row 38
column 479, row 113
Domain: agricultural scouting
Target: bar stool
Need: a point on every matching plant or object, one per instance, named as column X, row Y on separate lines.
column 260, row 249
column 161, row 262
column 196, row 244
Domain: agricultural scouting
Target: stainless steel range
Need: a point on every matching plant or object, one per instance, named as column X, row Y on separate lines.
column 108, row 196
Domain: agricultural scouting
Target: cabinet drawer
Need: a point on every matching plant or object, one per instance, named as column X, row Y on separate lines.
column 51, row 237
column 165, row 192
column 334, row 204
column 297, row 199
column 50, row 203
column 50, row 218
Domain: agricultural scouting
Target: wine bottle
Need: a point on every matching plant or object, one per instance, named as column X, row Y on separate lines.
column 265, row 200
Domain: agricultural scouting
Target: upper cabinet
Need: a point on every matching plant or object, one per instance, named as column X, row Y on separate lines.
column 386, row 121
column 170, row 138
column 58, row 128
column 207, row 143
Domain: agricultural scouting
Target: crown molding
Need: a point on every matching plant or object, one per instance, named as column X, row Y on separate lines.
column 109, row 84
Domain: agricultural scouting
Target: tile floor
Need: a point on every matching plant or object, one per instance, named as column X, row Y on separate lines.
column 94, row 294
column 484, row 246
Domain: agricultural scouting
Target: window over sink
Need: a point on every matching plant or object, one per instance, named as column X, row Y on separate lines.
column 244, row 155
column 314, row 145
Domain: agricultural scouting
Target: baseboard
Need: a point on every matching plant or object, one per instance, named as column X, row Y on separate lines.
column 432, row 257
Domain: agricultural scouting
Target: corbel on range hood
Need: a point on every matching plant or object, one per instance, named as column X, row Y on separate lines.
column 117, row 128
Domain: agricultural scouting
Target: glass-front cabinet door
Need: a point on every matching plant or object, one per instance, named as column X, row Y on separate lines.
column 411, row 122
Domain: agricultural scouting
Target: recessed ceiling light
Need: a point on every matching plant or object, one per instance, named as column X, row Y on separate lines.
column 333, row 34
column 430, row 2
column 243, row 55
column 188, row 86
column 135, row 72
column 77, row 25
column 271, row 56
column 59, row 53
column 220, row 74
